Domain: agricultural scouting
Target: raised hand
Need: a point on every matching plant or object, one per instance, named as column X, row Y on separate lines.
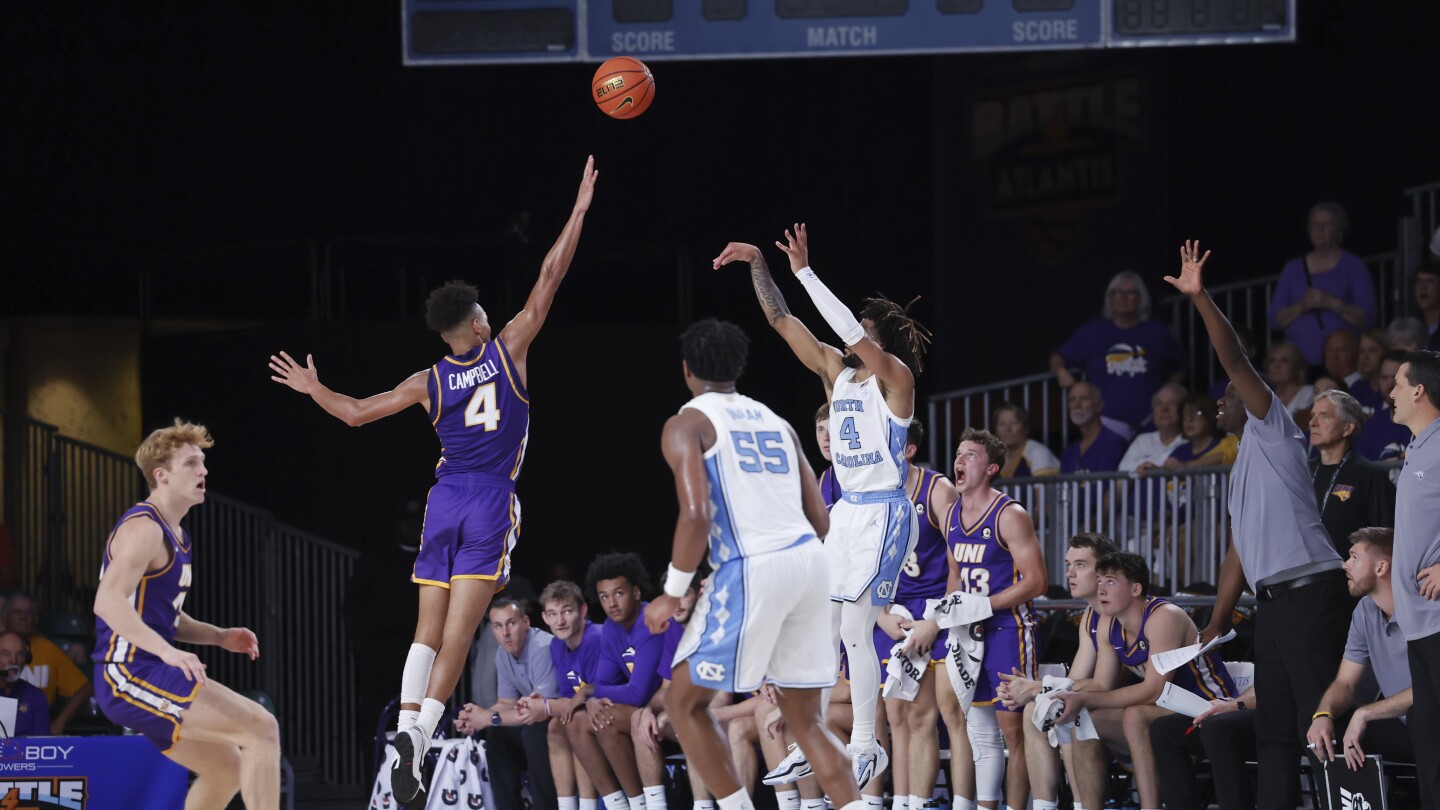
column 1192, row 264
column 587, row 185
column 735, row 252
column 287, row 371
column 797, row 247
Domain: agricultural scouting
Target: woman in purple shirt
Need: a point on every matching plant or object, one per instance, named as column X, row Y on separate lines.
column 1327, row 289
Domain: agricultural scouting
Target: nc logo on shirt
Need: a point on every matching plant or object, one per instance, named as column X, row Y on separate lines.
column 710, row 671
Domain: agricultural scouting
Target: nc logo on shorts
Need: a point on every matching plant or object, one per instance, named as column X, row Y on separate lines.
column 710, row 671
column 885, row 590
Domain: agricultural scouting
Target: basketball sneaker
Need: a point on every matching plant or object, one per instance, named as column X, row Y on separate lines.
column 792, row 768
column 869, row 761
column 407, row 776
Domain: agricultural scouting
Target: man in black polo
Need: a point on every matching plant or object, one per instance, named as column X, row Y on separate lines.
column 1351, row 491
column 1279, row 545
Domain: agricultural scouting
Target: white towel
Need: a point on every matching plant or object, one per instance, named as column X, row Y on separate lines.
column 904, row 672
column 964, row 651
column 958, row 609
column 1050, row 705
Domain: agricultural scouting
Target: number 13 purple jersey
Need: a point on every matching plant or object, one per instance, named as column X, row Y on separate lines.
column 480, row 411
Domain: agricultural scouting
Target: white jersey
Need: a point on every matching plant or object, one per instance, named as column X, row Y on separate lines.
column 867, row 441
column 754, row 472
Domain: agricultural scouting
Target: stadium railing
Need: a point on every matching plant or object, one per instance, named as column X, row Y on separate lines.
column 61, row 498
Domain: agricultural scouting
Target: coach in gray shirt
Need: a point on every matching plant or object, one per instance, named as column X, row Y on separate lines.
column 515, row 741
column 1280, row 546
column 1376, row 645
column 1417, row 552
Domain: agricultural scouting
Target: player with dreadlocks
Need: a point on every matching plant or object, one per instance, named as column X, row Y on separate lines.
column 871, row 388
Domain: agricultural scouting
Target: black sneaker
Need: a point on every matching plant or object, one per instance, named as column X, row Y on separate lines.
column 407, row 776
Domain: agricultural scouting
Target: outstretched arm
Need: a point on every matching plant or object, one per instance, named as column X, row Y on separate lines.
column 1252, row 390
column 526, row 324
column 353, row 412
column 818, row 357
column 898, row 378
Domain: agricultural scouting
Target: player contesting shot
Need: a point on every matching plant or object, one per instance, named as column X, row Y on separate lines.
column 476, row 399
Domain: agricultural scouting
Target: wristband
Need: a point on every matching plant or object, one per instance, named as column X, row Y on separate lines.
column 1318, row 715
column 677, row 582
column 547, row 706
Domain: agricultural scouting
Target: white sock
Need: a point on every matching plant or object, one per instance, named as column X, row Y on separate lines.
column 811, row 804
column 1041, row 804
column 704, row 804
column 874, row 802
column 430, row 712
column 788, row 799
column 963, row 804
column 655, row 797
column 616, row 801
column 914, row 802
column 637, row 802
column 858, row 805
column 899, row 803
column 1079, row 806
column 414, row 681
column 589, row 804
column 739, row 800
column 568, row 802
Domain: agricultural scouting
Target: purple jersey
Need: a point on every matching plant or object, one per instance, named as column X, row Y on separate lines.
column 158, row 596
column 480, row 411
column 986, row 565
column 925, row 571
column 829, row 487
column 577, row 667
column 1090, row 626
column 1206, row 676
column 629, row 662
column 32, row 712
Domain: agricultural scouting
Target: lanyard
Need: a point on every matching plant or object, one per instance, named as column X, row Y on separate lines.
column 1331, row 486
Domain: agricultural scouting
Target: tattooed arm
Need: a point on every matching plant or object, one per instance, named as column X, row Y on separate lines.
column 820, row 358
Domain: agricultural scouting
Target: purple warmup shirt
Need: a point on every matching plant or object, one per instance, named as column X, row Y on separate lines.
column 629, row 662
column 32, row 716
column 1129, row 364
column 577, row 667
column 1348, row 280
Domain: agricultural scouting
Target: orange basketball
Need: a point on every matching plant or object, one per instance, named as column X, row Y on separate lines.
column 623, row 87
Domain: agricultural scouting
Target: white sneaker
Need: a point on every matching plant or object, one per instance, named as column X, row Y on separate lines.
column 869, row 761
column 792, row 768
column 407, row 779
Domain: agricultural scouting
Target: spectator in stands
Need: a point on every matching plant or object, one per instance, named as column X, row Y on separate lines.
column 32, row 712
column 1427, row 300
column 1376, row 644
column 1140, row 627
column 1023, row 457
column 50, row 668
column 628, row 677
column 1327, row 289
column 1382, row 439
column 515, row 742
column 1351, row 491
column 1373, row 346
column 575, row 656
column 1099, row 449
column 1342, row 355
column 1285, row 367
column 1279, row 545
column 1407, row 335
column 1226, row 738
column 1127, row 355
column 1149, row 450
column 1205, row 444
column 1325, row 381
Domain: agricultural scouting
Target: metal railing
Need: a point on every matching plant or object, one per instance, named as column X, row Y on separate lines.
column 1176, row 520
column 948, row 414
column 61, row 499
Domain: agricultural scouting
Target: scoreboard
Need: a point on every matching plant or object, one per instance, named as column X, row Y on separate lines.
column 448, row 32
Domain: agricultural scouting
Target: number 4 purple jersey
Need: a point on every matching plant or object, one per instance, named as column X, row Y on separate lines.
column 480, row 411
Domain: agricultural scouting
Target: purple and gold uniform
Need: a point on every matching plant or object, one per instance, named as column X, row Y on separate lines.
column 577, row 667
column 1090, row 626
column 925, row 570
column 135, row 688
column 986, row 568
column 1206, row 676
column 829, row 487
column 481, row 413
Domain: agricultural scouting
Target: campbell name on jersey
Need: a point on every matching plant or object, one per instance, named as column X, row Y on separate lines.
column 867, row 441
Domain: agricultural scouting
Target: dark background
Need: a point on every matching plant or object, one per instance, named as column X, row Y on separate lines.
column 196, row 164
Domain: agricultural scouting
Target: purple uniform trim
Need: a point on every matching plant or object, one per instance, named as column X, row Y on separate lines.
column 148, row 696
column 471, row 524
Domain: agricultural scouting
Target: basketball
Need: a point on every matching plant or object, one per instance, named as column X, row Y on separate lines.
column 623, row 87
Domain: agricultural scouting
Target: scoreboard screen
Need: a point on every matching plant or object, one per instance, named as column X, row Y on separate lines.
column 439, row 32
